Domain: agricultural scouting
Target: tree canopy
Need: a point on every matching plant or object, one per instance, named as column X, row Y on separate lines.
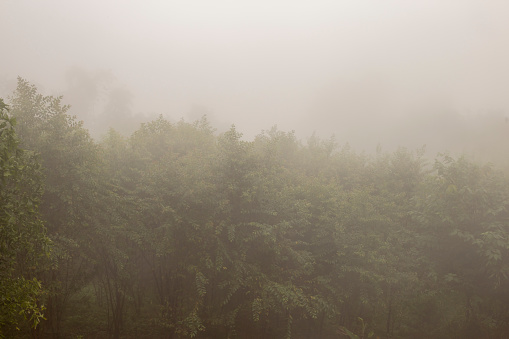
column 23, row 242
column 177, row 232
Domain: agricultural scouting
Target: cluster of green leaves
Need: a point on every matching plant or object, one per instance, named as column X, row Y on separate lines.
column 176, row 232
column 23, row 243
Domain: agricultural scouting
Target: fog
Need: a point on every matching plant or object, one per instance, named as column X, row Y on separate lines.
column 183, row 232
column 407, row 73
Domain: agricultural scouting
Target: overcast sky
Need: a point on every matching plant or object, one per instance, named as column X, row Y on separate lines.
column 343, row 67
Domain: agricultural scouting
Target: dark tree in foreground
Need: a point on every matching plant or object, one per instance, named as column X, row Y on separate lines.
column 24, row 246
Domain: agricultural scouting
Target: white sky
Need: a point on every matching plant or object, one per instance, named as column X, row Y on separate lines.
column 303, row 65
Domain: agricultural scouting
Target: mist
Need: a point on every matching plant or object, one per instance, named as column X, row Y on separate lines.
column 254, row 169
column 391, row 73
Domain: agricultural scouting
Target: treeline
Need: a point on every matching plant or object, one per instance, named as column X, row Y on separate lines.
column 175, row 232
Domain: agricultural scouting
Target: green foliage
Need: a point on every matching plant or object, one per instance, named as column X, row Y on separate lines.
column 69, row 161
column 462, row 213
column 176, row 232
column 23, row 242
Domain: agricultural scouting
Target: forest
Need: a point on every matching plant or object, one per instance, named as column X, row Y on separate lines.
column 176, row 231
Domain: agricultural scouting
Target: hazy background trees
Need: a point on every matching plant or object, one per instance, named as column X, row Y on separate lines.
column 394, row 73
